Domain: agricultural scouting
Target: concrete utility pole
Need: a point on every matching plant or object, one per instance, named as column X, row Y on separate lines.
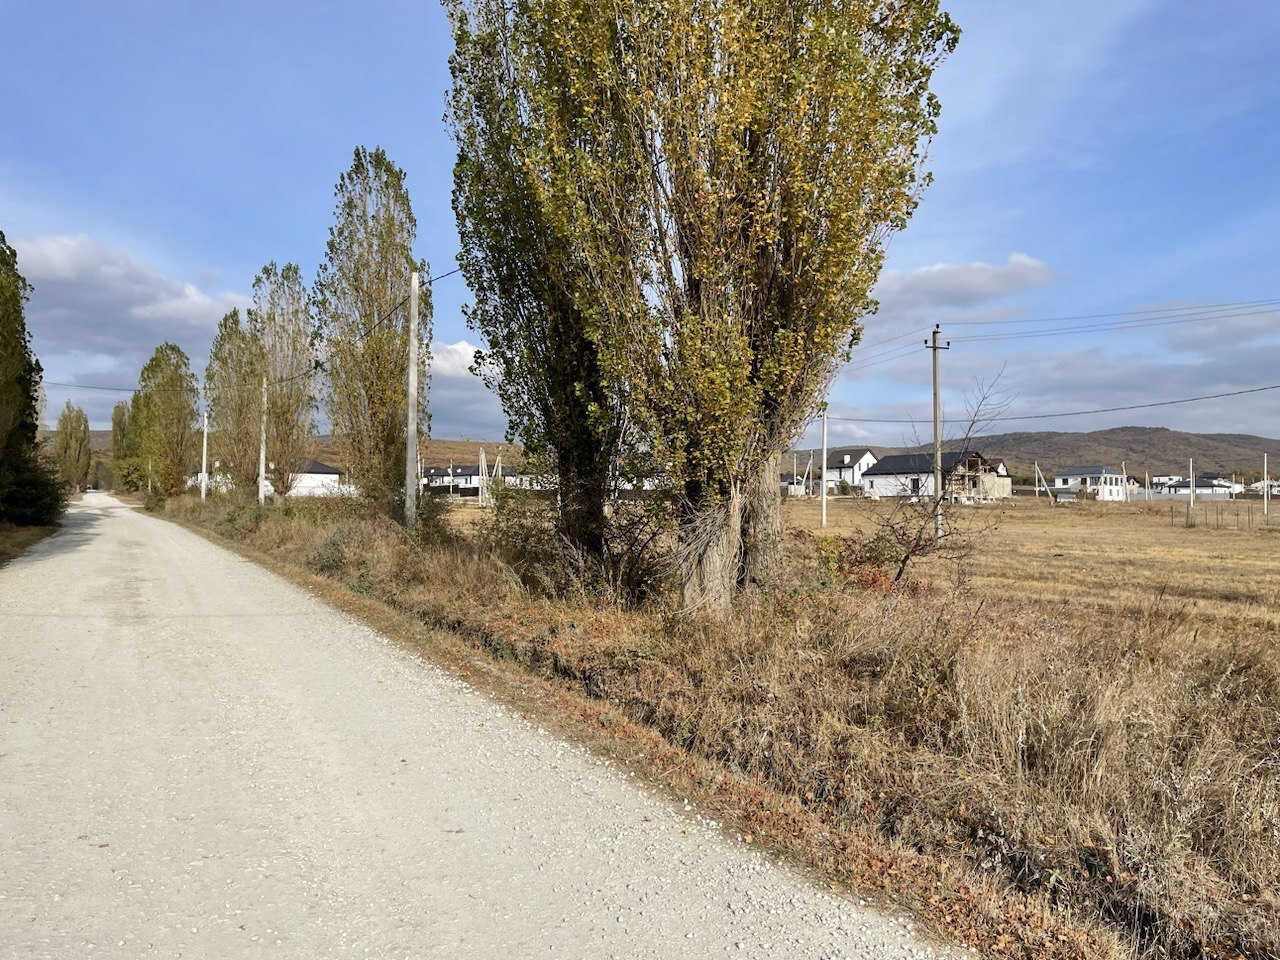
column 262, row 449
column 204, row 458
column 1124, row 479
column 822, row 469
column 933, row 345
column 411, row 420
column 1191, row 488
column 1266, row 487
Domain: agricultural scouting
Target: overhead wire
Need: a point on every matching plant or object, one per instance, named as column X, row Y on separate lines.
column 1003, row 418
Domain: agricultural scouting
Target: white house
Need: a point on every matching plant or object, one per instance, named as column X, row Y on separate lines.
column 848, row 464
column 1223, row 482
column 311, row 478
column 964, row 474
column 466, row 480
column 1102, row 482
column 1207, row 487
column 1164, row 479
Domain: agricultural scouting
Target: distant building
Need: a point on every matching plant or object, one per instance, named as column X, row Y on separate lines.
column 848, row 464
column 1102, row 483
column 311, row 478
column 964, row 474
column 793, row 484
column 1207, row 487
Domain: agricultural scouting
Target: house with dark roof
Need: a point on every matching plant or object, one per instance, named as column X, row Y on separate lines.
column 847, row 464
column 311, row 478
column 965, row 473
column 1208, row 486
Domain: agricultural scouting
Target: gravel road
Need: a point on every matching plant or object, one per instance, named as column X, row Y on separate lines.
column 199, row 759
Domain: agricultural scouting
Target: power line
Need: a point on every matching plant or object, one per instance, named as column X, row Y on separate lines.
column 1118, row 326
column 1082, row 413
column 1122, row 313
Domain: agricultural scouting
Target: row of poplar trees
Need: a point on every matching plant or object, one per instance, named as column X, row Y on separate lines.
column 672, row 216
column 342, row 343
column 30, row 493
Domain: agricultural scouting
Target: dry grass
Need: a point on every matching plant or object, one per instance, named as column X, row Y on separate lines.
column 14, row 540
column 1056, row 755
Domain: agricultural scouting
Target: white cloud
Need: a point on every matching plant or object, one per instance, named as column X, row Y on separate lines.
column 97, row 313
column 452, row 359
column 461, row 405
column 922, row 293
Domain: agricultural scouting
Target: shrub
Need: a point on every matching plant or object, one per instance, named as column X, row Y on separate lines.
column 30, row 492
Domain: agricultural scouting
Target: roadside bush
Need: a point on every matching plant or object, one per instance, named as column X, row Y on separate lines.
column 30, row 491
column 433, row 528
column 240, row 520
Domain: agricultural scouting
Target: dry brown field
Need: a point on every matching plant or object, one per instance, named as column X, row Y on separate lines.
column 1094, row 558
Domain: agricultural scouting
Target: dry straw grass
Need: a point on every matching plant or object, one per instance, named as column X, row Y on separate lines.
column 1086, row 733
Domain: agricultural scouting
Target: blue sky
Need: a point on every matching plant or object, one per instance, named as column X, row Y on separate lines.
column 1093, row 157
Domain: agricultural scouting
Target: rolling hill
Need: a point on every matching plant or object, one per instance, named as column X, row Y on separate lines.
column 1154, row 450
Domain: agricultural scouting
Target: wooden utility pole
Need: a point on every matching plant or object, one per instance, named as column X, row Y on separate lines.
column 933, row 345
column 822, row 469
column 204, row 458
column 411, row 418
column 262, row 449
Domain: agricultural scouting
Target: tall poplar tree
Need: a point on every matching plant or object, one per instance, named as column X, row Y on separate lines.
column 233, row 394
column 540, row 354
column 71, row 447
column 777, row 144
column 361, row 298
column 164, row 413
column 280, row 324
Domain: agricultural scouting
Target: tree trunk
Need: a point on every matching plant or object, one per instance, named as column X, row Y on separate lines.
column 762, row 528
column 710, row 550
column 584, row 482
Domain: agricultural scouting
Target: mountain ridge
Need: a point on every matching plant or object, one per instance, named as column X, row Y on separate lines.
column 1154, row 450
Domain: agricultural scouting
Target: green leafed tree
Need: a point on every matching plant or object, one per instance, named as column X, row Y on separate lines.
column 777, row 146
column 362, row 310
column 127, row 467
column 164, row 414
column 29, row 488
column 281, row 326
column 540, row 357
column 233, row 394
column 71, row 447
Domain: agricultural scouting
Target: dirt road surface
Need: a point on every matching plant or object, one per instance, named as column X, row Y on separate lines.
column 198, row 759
